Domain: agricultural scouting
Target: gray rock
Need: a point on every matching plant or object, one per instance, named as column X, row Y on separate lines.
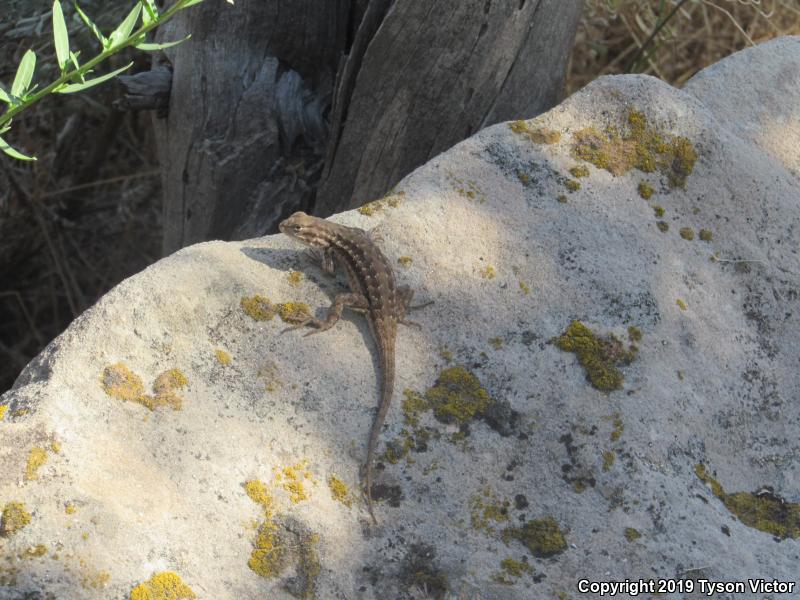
column 515, row 467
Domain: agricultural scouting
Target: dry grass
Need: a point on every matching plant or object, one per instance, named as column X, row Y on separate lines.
column 700, row 32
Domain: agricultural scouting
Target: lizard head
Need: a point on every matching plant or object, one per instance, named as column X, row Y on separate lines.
column 302, row 227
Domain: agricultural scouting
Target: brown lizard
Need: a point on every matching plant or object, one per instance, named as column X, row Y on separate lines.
column 372, row 290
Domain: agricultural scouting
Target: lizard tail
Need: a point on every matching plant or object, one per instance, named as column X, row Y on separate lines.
column 387, row 389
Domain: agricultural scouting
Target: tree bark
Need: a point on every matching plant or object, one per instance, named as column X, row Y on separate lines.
column 283, row 105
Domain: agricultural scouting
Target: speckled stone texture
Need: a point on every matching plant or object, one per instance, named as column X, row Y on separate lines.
column 606, row 387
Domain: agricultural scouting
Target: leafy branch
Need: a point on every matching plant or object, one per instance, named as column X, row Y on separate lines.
column 23, row 95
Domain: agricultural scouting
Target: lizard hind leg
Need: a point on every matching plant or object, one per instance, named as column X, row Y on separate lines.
column 334, row 314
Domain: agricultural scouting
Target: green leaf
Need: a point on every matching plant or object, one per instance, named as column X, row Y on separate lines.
column 13, row 153
column 22, row 81
column 150, row 12
column 90, row 24
column 74, row 58
column 123, row 32
column 77, row 87
column 61, row 35
column 191, row 3
column 153, row 47
column 4, row 97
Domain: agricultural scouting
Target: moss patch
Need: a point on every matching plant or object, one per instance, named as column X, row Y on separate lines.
column 645, row 190
column 13, row 518
column 636, row 145
column 339, row 491
column 658, row 210
column 761, row 510
column 687, row 233
column 634, row 334
column 223, row 357
column 36, row 459
column 579, row 171
column 632, row 534
column 598, row 356
column 405, row 261
column 487, row 510
column 706, row 235
column 510, row 570
column 542, row 537
column 663, row 226
column 572, row 185
column 294, row 278
column 294, row 312
column 609, row 456
column 458, row 396
column 618, row 427
column 561, row 198
column 538, row 135
column 257, row 307
column 163, row 586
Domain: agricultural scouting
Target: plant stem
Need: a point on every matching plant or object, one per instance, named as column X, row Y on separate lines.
column 67, row 77
column 659, row 26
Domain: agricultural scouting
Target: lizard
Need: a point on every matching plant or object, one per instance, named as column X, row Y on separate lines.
column 373, row 291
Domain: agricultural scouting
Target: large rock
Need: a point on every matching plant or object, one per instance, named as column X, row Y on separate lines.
column 605, row 387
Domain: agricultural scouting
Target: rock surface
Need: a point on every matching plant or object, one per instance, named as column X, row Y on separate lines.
column 600, row 387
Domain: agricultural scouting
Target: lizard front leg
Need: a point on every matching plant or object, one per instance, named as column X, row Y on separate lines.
column 356, row 301
column 406, row 294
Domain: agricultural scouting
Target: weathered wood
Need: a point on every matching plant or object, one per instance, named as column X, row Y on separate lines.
column 245, row 137
column 435, row 73
column 148, row 90
column 248, row 141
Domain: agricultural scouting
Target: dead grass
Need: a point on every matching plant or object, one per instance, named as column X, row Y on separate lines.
column 700, row 33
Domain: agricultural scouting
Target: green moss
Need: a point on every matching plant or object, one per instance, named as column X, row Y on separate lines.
column 579, row 171
column 761, row 510
column 413, row 405
column 524, row 178
column 687, row 233
column 636, row 145
column 572, row 185
column 496, row 342
column 458, row 396
column 632, row 534
column 524, row 288
column 542, row 537
column 658, row 210
column 13, row 518
column 486, row 510
column 646, row 190
column 163, row 586
column 562, row 198
column 618, row 427
column 663, row 226
column 598, row 356
column 609, row 456
column 257, row 307
column 706, row 235
column 511, row 570
column 340, row 491
column 294, row 312
column 634, row 334
column 538, row 135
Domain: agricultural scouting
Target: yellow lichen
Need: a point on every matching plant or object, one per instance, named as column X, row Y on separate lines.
column 705, row 234
column 579, row 171
column 163, row 586
column 55, row 446
column 632, row 534
column 257, row 307
column 340, row 491
column 294, row 312
column 636, row 146
column 608, row 459
column 487, row 272
column 618, row 427
column 405, row 261
column 646, row 190
column 681, row 304
column 13, row 518
column 572, row 185
column 598, row 356
column 259, row 494
column 222, row 357
column 36, row 458
column 268, row 557
column 165, row 388
column 392, row 201
column 538, row 135
column 292, row 478
column 658, row 210
column 3, row 410
column 294, row 278
column 542, row 537
column 119, row 382
column 36, row 551
column 70, row 508
column 458, row 396
column 524, row 287
column 687, row 233
column 762, row 510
